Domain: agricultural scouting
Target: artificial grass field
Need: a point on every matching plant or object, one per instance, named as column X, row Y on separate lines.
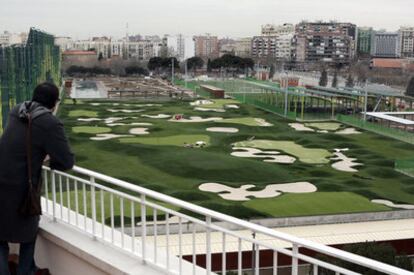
column 159, row 161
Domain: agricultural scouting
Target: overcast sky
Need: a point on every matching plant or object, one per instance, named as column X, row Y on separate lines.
column 233, row 18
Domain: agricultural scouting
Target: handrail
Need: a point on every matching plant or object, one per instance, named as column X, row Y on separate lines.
column 210, row 214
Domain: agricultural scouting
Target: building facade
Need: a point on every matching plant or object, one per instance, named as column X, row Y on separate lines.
column 407, row 41
column 8, row 38
column 330, row 42
column 386, row 44
column 275, row 30
column 278, row 47
column 206, row 46
column 364, row 41
column 243, row 47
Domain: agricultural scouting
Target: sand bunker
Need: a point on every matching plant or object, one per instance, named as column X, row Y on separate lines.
column 124, row 111
column 345, row 163
column 129, row 124
column 196, row 119
column 348, row 131
column 270, row 191
column 139, row 131
column 157, row 116
column 222, row 129
column 231, row 106
column 268, row 156
column 108, row 136
column 201, row 102
column 393, row 205
column 209, row 110
column 89, row 119
column 263, row 122
column 300, row 127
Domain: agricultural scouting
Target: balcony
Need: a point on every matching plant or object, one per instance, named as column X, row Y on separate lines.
column 96, row 224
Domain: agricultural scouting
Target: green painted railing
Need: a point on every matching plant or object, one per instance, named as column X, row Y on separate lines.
column 376, row 128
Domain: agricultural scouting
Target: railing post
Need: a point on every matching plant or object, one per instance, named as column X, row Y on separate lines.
column 93, row 202
column 208, row 244
column 295, row 252
column 52, row 174
column 143, row 226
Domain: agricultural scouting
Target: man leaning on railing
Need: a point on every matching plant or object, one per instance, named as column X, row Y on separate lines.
column 32, row 133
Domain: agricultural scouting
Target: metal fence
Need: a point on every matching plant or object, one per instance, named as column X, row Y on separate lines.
column 22, row 67
column 139, row 222
column 405, row 166
column 377, row 128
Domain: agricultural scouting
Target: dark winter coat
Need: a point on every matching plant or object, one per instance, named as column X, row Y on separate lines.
column 48, row 138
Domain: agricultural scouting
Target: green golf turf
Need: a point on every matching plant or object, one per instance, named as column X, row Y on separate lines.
column 161, row 163
column 90, row 130
column 179, row 140
column 82, row 113
column 248, row 121
column 306, row 155
column 328, row 126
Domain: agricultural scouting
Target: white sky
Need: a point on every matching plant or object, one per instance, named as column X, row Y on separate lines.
column 233, row 18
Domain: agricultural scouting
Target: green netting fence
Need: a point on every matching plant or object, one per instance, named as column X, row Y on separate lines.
column 405, row 166
column 376, row 128
column 22, row 67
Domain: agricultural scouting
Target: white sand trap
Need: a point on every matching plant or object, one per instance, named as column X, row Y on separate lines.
column 201, row 102
column 222, row 130
column 323, row 131
column 348, row 131
column 108, row 136
column 139, row 131
column 95, row 104
column 146, row 105
column 231, row 106
column 209, row 110
column 270, row 191
column 157, row 116
column 124, row 111
column 344, row 163
column 196, row 119
column 263, row 122
column 89, row 119
column 300, row 127
column 129, row 124
column 268, row 156
column 393, row 205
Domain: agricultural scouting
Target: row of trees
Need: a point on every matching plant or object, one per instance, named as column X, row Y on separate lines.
column 323, row 81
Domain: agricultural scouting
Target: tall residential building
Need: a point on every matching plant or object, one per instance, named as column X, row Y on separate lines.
column 8, row 38
column 386, row 44
column 407, row 41
column 243, row 47
column 264, row 47
column 274, row 30
column 277, row 47
column 65, row 43
column 364, row 41
column 206, row 46
column 141, row 50
column 179, row 46
column 325, row 42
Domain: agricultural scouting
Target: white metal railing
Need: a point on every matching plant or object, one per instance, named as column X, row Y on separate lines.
column 99, row 205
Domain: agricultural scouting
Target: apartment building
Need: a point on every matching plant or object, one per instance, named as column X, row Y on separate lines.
column 206, row 46
column 178, row 46
column 243, row 47
column 407, row 41
column 329, row 42
column 274, row 30
column 8, row 38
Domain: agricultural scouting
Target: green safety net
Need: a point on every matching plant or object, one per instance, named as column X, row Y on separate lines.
column 22, row 67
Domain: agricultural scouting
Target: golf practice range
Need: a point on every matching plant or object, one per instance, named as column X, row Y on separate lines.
column 239, row 160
